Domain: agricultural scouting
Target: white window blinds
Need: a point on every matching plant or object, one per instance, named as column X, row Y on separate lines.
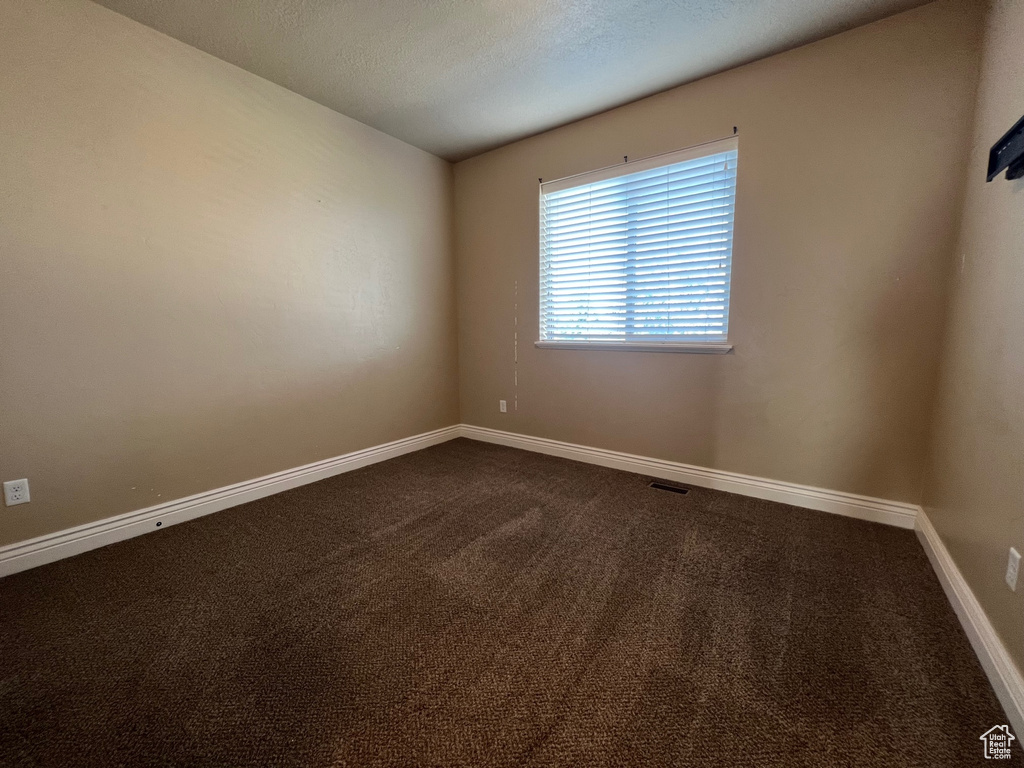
column 640, row 253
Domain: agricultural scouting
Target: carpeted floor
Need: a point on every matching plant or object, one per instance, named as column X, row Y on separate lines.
column 472, row 605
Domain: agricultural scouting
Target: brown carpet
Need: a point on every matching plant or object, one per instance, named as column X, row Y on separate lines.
column 472, row 605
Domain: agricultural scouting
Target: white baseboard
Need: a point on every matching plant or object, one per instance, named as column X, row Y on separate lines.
column 896, row 513
column 72, row 541
column 1006, row 679
column 1004, row 675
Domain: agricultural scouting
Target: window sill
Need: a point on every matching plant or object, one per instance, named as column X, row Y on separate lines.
column 697, row 348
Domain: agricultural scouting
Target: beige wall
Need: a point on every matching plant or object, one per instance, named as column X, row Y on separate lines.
column 851, row 155
column 975, row 489
column 203, row 277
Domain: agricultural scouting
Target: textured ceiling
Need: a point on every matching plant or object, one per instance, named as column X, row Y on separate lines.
column 458, row 77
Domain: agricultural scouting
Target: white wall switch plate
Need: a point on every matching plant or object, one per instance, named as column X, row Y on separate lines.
column 1012, row 569
column 16, row 492
column 503, row 406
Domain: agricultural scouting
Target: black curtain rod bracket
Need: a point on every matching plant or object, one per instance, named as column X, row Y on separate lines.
column 1008, row 154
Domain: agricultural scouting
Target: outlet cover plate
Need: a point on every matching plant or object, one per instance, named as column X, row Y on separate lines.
column 1013, row 569
column 16, row 492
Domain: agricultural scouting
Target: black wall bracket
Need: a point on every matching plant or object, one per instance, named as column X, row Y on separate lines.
column 1008, row 153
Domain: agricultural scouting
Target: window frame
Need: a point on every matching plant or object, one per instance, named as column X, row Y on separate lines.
column 653, row 162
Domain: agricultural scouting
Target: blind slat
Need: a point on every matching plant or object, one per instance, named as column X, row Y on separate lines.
column 720, row 231
column 716, row 178
column 583, row 261
column 674, row 210
column 616, row 230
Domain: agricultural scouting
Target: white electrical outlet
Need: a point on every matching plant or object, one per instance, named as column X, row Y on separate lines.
column 16, row 492
column 1012, row 569
column 503, row 406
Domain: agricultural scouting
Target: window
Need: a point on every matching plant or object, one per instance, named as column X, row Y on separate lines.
column 639, row 256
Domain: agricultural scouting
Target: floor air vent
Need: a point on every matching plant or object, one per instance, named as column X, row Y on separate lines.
column 667, row 487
